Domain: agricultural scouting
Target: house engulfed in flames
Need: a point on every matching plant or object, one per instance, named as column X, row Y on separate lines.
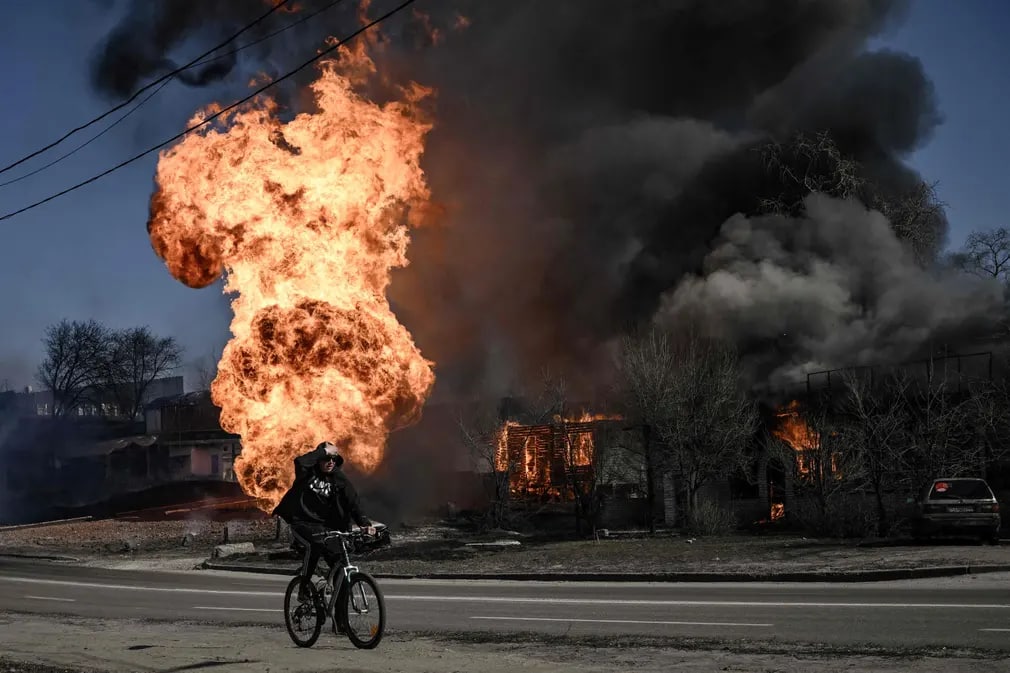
column 544, row 460
column 794, row 431
column 813, row 460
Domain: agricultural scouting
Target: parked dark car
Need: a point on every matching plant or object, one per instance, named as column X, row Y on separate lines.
column 961, row 507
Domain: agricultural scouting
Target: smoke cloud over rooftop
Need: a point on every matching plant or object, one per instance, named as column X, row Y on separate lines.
column 597, row 167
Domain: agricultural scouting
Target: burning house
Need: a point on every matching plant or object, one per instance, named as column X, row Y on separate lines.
column 544, row 460
column 595, row 456
column 818, row 454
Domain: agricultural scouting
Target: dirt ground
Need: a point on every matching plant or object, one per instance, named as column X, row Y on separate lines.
column 444, row 549
column 32, row 643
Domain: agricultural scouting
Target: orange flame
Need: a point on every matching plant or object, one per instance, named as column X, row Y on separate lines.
column 794, row 431
column 501, row 456
column 543, row 451
column 583, row 448
column 307, row 217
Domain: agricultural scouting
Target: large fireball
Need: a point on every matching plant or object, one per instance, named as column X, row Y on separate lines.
column 306, row 218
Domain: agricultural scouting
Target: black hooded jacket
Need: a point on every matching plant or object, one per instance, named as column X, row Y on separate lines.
column 329, row 499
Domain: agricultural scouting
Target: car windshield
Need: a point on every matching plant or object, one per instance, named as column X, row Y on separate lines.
column 968, row 489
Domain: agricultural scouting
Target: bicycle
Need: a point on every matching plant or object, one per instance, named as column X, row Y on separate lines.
column 341, row 595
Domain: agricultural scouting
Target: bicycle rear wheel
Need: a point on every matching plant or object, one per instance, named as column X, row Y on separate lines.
column 362, row 611
column 303, row 618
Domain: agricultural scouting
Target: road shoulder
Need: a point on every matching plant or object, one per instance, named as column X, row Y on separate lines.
column 120, row 646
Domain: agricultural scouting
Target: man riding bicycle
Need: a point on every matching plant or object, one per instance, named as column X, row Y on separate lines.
column 321, row 499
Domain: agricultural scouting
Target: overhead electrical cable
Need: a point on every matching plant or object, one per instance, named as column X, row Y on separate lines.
column 86, row 142
column 210, row 118
column 164, row 81
column 144, row 88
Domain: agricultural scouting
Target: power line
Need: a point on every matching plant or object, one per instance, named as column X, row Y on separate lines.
column 164, row 81
column 217, row 114
column 144, row 88
column 87, row 142
column 266, row 37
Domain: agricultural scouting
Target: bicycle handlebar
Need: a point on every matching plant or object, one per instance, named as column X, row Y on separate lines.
column 329, row 535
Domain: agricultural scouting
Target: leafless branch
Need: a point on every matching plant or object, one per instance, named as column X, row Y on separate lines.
column 688, row 391
column 986, row 254
column 71, row 367
column 806, row 164
column 134, row 359
column 480, row 431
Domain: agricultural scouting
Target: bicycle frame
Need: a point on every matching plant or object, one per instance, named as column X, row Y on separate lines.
column 345, row 570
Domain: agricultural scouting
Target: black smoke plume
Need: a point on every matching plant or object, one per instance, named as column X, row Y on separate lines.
column 589, row 154
column 152, row 39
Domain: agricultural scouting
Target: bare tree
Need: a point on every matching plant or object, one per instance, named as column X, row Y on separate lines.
column 687, row 393
column 646, row 365
column 483, row 435
column 711, row 418
column 822, row 464
column 205, row 369
column 549, row 401
column 915, row 215
column 813, row 163
column 876, row 412
column 942, row 441
column 807, row 164
column 986, row 254
column 989, row 407
column 134, row 360
column 586, row 460
column 72, row 365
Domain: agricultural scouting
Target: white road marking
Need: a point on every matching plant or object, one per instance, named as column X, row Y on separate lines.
column 212, row 607
column 616, row 621
column 537, row 600
column 683, row 603
column 996, row 630
column 132, row 587
column 52, row 598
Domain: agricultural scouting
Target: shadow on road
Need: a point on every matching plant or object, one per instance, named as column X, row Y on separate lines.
column 208, row 664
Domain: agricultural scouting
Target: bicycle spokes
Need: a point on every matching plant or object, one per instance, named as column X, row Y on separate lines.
column 363, row 610
column 359, row 601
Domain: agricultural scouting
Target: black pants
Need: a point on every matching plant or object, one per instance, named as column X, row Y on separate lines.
column 307, row 531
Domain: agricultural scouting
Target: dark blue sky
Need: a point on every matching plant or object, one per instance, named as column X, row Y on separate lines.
column 87, row 255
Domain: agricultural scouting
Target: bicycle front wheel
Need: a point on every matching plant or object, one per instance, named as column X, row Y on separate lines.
column 303, row 617
column 362, row 611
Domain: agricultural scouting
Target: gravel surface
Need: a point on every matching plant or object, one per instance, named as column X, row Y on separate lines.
column 10, row 666
column 444, row 549
column 76, row 644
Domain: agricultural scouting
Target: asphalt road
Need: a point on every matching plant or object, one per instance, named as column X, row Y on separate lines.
column 969, row 612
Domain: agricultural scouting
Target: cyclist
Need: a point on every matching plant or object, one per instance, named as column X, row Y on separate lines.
column 321, row 499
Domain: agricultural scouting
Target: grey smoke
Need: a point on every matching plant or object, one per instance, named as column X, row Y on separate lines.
column 587, row 154
column 152, row 39
column 836, row 284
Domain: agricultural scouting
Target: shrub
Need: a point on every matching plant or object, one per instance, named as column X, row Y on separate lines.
column 711, row 518
column 844, row 517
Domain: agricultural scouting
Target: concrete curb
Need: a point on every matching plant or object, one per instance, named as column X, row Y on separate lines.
column 854, row 576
